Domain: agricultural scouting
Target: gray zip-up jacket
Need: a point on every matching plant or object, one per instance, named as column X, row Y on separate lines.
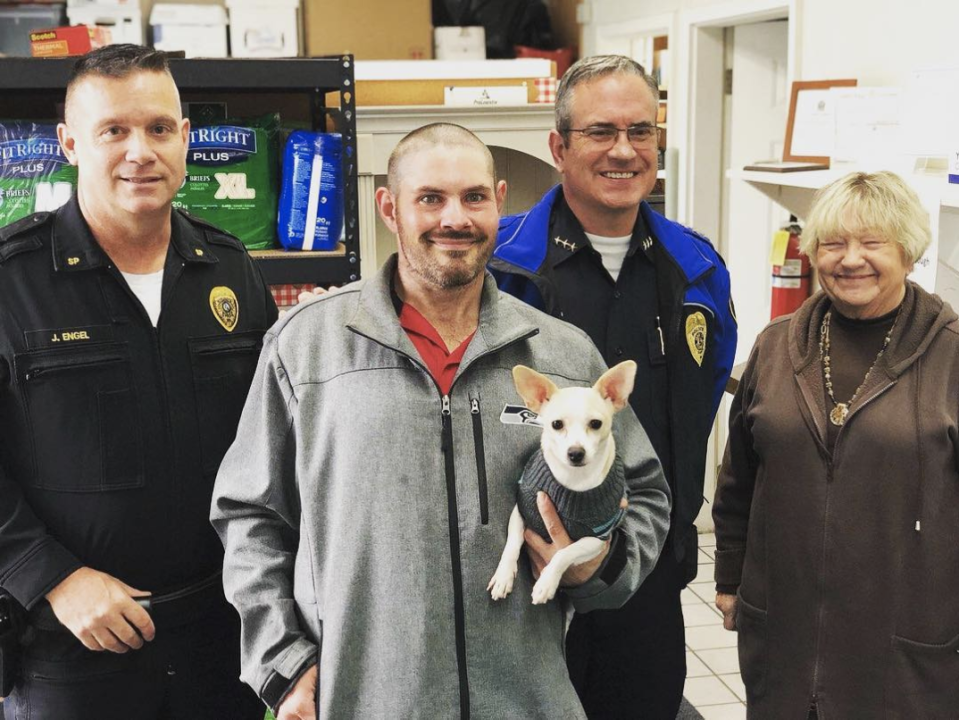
column 363, row 515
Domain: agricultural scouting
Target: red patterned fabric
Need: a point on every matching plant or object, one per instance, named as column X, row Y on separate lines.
column 546, row 89
column 285, row 295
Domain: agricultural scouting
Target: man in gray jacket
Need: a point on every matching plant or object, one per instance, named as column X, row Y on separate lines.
column 364, row 504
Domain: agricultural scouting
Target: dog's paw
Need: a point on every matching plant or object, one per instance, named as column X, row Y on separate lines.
column 545, row 588
column 501, row 583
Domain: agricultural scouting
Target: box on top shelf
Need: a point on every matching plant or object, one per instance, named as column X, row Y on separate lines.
column 67, row 41
column 123, row 18
column 198, row 30
column 459, row 43
column 18, row 21
column 395, row 30
column 128, row 4
column 264, row 28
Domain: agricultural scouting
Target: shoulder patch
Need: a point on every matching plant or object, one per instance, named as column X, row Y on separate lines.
column 214, row 234
column 18, row 237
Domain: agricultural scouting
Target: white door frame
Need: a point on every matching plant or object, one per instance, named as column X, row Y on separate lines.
column 698, row 134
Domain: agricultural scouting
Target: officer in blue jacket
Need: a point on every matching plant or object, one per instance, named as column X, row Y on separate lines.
column 644, row 288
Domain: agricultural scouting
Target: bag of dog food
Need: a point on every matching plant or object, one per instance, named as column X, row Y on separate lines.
column 231, row 178
column 34, row 174
column 311, row 199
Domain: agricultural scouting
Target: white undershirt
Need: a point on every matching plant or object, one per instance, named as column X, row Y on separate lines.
column 613, row 251
column 148, row 289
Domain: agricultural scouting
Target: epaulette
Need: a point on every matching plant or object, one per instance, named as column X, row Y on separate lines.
column 215, row 235
column 18, row 237
column 699, row 236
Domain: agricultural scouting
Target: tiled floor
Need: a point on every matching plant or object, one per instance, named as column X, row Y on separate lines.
column 713, row 685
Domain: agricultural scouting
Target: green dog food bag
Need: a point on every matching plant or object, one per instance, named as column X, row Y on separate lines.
column 232, row 178
column 34, row 174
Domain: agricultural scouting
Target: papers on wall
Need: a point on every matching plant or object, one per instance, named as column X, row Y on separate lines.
column 814, row 127
column 929, row 190
column 867, row 125
column 930, row 106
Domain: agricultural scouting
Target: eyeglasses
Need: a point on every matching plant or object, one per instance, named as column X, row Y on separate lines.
column 639, row 136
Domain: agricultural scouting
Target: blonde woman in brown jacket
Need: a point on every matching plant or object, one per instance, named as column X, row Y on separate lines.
column 837, row 510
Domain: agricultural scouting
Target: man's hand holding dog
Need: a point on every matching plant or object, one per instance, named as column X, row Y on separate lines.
column 300, row 704
column 541, row 552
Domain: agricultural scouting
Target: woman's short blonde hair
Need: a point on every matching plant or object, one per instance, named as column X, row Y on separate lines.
column 859, row 204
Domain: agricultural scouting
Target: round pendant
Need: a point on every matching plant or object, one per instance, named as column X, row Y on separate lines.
column 837, row 416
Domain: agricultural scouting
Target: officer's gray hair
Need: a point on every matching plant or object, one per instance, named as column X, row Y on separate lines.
column 589, row 69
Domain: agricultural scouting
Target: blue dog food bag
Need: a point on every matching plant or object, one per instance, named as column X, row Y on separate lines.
column 311, row 199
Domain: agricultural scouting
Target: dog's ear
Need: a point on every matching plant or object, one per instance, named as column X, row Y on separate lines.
column 617, row 383
column 535, row 389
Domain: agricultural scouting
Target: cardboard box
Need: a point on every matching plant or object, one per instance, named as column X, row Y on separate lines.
column 428, row 92
column 563, row 57
column 66, row 41
column 370, row 29
column 264, row 28
column 197, row 30
column 123, row 19
column 459, row 43
column 425, row 83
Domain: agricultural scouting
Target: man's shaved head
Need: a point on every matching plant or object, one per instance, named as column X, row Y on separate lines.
column 433, row 135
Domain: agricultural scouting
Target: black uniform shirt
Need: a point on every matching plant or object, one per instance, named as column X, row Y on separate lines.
column 113, row 430
column 623, row 318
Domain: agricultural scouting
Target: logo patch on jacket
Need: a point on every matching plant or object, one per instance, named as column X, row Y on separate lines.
column 519, row 415
column 696, row 336
column 225, row 307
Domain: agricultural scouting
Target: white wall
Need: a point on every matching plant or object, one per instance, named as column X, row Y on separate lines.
column 876, row 41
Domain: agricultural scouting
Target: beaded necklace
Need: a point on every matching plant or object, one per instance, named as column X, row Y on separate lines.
column 837, row 416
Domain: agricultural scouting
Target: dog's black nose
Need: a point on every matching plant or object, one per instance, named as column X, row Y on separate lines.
column 576, row 455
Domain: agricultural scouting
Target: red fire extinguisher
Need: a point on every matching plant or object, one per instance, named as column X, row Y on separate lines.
column 791, row 280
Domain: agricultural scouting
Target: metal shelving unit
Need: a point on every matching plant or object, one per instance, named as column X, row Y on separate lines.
column 31, row 88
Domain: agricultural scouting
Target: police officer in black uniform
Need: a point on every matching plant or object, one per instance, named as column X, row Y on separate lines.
column 129, row 334
column 644, row 288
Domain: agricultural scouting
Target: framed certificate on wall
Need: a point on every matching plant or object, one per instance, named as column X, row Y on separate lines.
column 810, row 128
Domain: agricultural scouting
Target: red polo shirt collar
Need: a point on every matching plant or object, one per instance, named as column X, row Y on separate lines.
column 441, row 363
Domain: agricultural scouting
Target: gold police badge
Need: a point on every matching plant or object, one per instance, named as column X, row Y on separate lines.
column 225, row 308
column 696, row 336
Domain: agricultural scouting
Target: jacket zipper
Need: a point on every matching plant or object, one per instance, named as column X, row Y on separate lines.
column 446, row 446
column 830, row 475
column 459, row 612
column 38, row 372
column 822, row 583
column 480, row 460
column 164, row 388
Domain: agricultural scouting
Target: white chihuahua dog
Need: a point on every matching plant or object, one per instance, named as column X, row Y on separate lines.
column 576, row 466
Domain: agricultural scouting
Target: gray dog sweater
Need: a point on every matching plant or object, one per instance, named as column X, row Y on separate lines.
column 590, row 513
